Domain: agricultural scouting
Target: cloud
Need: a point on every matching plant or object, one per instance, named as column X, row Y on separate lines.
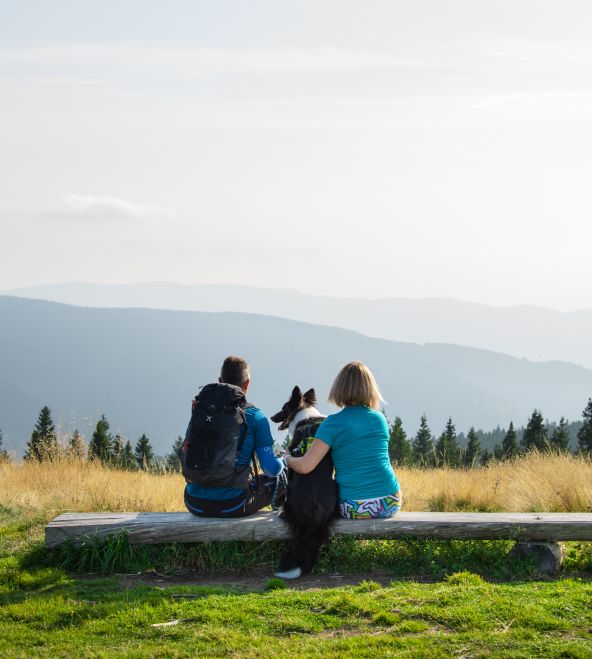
column 546, row 98
column 88, row 207
column 100, row 64
column 52, row 81
column 108, row 62
column 105, row 208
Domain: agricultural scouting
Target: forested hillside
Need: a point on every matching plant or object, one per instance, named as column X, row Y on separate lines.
column 142, row 367
column 533, row 332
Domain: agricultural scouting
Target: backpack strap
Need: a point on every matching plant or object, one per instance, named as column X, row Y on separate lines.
column 243, row 434
column 251, row 466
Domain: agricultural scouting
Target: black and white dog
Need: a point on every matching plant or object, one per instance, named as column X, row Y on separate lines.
column 311, row 501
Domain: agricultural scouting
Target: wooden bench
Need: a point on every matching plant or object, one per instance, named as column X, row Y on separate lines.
column 535, row 533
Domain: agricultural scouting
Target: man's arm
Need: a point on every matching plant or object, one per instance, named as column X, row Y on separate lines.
column 270, row 465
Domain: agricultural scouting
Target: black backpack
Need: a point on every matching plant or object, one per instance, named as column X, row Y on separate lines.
column 215, row 437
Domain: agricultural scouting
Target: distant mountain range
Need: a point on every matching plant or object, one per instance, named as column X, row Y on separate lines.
column 536, row 333
column 142, row 367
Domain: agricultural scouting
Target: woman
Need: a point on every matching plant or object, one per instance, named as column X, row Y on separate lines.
column 357, row 437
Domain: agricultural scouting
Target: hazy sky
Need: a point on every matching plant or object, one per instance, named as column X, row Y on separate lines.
column 362, row 148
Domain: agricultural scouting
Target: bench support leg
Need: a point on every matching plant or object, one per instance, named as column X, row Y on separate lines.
column 549, row 555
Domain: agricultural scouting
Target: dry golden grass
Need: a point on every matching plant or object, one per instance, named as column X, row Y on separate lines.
column 75, row 485
column 535, row 482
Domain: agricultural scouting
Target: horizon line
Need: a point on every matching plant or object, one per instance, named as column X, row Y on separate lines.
column 354, row 298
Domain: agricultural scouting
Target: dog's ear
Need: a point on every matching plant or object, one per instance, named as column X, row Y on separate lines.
column 296, row 396
column 310, row 397
column 280, row 416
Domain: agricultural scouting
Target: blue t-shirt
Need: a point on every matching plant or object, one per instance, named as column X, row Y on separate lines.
column 257, row 440
column 358, row 437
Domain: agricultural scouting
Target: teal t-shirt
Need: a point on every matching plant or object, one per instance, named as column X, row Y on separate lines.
column 358, row 437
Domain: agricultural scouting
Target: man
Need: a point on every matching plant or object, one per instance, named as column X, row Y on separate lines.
column 254, row 439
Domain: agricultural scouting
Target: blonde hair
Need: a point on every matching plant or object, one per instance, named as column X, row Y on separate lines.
column 355, row 385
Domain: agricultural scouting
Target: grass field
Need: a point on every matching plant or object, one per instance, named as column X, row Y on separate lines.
column 417, row 598
column 536, row 482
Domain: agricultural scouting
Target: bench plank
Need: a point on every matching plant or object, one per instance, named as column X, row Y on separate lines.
column 150, row 528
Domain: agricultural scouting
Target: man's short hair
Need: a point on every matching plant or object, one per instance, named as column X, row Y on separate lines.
column 235, row 370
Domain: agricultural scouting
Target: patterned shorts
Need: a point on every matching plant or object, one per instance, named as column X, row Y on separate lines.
column 369, row 508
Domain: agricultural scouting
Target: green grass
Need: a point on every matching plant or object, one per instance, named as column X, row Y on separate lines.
column 46, row 610
column 412, row 558
column 464, row 615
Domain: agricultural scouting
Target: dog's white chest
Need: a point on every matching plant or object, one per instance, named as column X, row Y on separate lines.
column 306, row 413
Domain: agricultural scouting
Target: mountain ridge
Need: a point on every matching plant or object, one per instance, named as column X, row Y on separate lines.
column 26, row 291
column 141, row 368
column 537, row 333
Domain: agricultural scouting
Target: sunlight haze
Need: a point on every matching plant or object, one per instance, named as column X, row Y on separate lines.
column 375, row 149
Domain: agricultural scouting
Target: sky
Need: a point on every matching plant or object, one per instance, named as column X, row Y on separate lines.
column 368, row 149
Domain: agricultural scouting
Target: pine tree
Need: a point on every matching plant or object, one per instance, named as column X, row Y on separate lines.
column 473, row 448
column 399, row 447
column 128, row 461
column 440, row 451
column 560, row 436
column 510, row 444
column 3, row 452
column 485, row 457
column 585, row 432
column 100, row 444
column 172, row 459
column 535, row 435
column 423, row 445
column 43, row 444
column 498, row 452
column 447, row 449
column 117, row 451
column 144, row 453
column 76, row 446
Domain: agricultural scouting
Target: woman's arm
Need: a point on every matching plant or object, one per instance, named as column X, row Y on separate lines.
column 304, row 465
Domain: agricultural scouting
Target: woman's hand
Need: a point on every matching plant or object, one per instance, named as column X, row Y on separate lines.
column 304, row 465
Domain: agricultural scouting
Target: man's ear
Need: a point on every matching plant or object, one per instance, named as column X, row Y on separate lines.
column 310, row 397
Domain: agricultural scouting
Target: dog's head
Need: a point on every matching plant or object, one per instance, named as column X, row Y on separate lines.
column 298, row 401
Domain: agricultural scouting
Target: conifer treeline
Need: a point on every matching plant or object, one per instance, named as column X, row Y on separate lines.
column 450, row 449
column 43, row 445
column 427, row 450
